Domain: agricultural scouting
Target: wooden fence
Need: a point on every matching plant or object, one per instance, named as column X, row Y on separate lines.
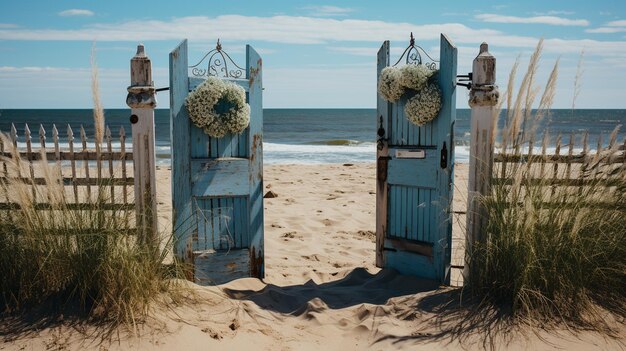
column 565, row 169
column 566, row 166
column 84, row 167
column 92, row 173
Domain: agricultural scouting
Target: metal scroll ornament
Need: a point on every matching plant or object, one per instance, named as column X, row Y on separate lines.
column 219, row 64
column 412, row 56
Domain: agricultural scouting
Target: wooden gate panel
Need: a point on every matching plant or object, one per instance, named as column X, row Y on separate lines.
column 220, row 228
column 415, row 217
column 414, row 180
column 217, row 182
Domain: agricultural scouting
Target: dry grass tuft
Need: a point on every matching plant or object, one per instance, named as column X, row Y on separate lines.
column 552, row 254
column 78, row 257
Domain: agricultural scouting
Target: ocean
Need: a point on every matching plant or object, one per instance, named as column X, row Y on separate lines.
column 306, row 135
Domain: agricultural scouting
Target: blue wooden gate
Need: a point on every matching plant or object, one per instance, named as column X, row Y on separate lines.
column 414, row 179
column 217, row 183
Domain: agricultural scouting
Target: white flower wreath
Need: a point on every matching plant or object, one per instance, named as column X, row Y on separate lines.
column 218, row 107
column 424, row 106
column 415, row 77
column 389, row 84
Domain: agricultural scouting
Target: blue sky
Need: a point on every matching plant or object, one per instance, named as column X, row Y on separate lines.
column 315, row 54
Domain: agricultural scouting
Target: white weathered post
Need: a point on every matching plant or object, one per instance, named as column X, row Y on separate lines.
column 483, row 99
column 142, row 101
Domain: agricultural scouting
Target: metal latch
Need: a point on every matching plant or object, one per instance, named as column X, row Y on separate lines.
column 444, row 156
column 381, row 135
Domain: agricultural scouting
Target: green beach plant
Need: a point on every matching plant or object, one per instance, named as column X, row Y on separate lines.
column 552, row 251
column 83, row 257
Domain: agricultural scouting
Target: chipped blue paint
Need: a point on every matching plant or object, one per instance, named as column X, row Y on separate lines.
column 414, row 231
column 217, row 182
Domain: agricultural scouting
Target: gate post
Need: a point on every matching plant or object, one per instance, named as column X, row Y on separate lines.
column 141, row 99
column 483, row 99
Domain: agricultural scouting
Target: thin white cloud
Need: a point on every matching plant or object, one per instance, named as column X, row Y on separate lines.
column 606, row 30
column 328, row 11
column 302, row 30
column 8, row 25
column 620, row 23
column 550, row 20
column 76, row 12
column 611, row 27
column 279, row 29
column 554, row 13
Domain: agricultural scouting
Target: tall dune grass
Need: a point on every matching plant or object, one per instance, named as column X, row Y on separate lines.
column 552, row 253
column 71, row 256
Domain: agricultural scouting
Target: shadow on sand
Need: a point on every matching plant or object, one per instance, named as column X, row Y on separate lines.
column 443, row 314
column 357, row 287
column 54, row 315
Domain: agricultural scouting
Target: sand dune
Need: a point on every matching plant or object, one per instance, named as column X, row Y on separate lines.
column 322, row 290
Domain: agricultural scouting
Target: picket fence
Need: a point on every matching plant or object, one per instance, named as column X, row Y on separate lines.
column 82, row 169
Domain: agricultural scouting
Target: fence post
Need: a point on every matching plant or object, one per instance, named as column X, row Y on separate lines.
column 483, row 99
column 141, row 99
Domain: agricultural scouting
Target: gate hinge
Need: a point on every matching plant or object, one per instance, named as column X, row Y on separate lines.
column 464, row 78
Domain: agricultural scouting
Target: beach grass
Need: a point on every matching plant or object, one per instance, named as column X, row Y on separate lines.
column 552, row 253
column 86, row 258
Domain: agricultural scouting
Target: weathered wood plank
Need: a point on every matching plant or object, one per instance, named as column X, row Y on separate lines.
column 29, row 151
column 382, row 158
column 107, row 136
column 418, row 247
column 254, row 75
column 142, row 101
column 213, row 267
column 555, row 166
column 221, row 177
column 67, row 181
column 570, row 153
column 13, row 137
column 123, row 156
column 564, row 182
column 69, row 156
column 183, row 216
column 443, row 131
column 85, row 151
column 415, row 172
column 573, row 159
column 70, row 140
column 73, row 206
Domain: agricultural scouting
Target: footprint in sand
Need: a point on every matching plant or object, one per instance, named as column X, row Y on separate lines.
column 313, row 257
column 327, row 222
column 292, row 235
column 215, row 335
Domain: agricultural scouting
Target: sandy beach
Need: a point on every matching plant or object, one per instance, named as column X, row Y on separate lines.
column 322, row 290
